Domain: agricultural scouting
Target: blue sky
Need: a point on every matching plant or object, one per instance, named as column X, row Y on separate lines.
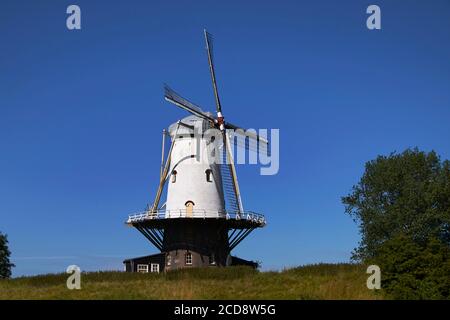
column 81, row 114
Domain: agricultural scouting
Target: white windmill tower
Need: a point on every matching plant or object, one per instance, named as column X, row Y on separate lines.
column 198, row 225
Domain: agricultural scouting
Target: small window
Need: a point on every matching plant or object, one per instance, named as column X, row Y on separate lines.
column 208, row 175
column 155, row 267
column 142, row 268
column 174, row 176
column 188, row 258
column 169, row 260
column 212, row 259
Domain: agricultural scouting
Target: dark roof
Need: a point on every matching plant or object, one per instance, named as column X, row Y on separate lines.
column 143, row 257
column 236, row 261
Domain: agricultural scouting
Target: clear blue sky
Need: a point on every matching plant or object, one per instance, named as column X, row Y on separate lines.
column 81, row 114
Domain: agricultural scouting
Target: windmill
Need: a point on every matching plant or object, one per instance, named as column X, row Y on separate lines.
column 203, row 218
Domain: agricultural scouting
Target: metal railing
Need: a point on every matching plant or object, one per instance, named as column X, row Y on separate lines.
column 196, row 213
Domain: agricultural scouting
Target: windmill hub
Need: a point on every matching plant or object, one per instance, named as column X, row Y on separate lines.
column 202, row 218
column 220, row 121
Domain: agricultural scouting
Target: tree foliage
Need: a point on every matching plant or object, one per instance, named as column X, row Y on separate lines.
column 412, row 271
column 5, row 264
column 401, row 194
column 402, row 207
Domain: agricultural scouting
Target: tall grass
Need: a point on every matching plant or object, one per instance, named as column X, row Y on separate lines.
column 322, row 281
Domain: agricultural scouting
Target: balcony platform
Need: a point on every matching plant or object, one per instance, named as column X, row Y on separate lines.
column 162, row 218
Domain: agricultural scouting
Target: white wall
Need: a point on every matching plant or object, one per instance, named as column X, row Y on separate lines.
column 191, row 183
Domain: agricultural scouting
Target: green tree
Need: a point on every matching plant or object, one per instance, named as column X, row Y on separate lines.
column 411, row 271
column 5, row 264
column 401, row 194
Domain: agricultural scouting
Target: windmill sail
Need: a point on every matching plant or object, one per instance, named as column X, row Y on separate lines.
column 208, row 39
column 232, row 169
column 173, row 97
column 247, row 141
column 247, row 133
column 210, row 42
column 231, row 201
column 229, row 171
column 163, row 177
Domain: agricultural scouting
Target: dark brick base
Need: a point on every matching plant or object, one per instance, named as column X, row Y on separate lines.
column 206, row 240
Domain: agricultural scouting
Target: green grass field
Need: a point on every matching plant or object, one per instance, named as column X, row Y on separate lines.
column 321, row 281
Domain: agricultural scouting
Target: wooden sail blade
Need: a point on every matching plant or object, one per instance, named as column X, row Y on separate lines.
column 230, row 162
column 208, row 40
column 173, row 97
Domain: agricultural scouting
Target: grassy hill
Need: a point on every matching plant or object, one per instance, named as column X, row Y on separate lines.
column 322, row 281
